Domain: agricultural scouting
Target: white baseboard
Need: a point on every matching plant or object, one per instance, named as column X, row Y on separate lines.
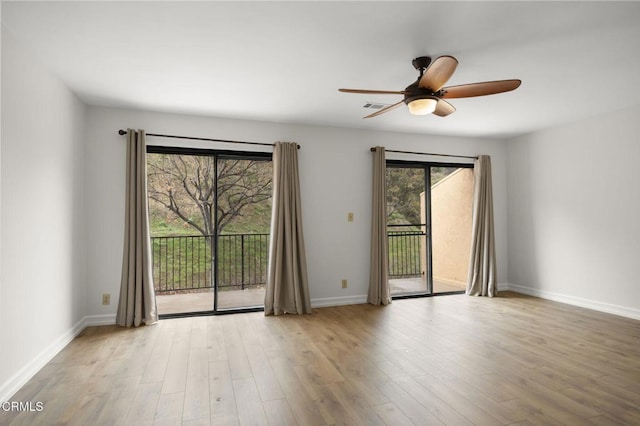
column 338, row 301
column 93, row 320
column 609, row 308
column 503, row 287
column 20, row 378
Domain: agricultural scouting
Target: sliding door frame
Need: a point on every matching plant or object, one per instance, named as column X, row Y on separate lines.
column 216, row 154
column 426, row 166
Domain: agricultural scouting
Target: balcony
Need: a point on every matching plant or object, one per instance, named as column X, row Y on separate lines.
column 407, row 263
column 184, row 277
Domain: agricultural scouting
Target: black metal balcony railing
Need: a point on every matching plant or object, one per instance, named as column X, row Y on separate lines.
column 184, row 263
column 405, row 251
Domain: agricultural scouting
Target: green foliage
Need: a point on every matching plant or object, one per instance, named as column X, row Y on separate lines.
column 404, row 186
column 405, row 252
column 185, row 262
column 181, row 263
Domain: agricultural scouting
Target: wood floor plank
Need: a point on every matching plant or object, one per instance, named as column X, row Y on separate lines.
column 196, row 399
column 607, row 403
column 222, row 400
column 236, row 355
column 558, row 405
column 221, row 419
column 170, row 406
column 144, row 405
column 456, row 360
column 156, row 367
column 366, row 377
column 355, row 403
column 121, row 392
column 305, row 409
column 440, row 409
column 604, row 420
column 175, row 378
column 216, row 348
column 461, row 404
column 167, row 421
column 250, row 409
column 334, row 411
column 266, row 380
column 196, row 396
column 411, row 408
column 391, row 415
column 279, row 413
column 623, row 381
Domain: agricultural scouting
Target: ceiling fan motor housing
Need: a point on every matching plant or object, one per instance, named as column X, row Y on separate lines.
column 421, row 63
column 415, row 92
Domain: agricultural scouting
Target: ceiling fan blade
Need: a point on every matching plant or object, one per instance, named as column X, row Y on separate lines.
column 443, row 108
column 373, row 92
column 385, row 109
column 480, row 89
column 438, row 73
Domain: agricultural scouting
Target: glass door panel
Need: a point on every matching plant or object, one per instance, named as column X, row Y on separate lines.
column 244, row 220
column 209, row 217
column 406, row 230
column 451, row 208
column 180, row 191
column 429, row 210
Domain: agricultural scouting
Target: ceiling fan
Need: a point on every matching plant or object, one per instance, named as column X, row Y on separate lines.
column 427, row 95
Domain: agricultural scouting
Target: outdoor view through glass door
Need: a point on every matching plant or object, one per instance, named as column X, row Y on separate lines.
column 209, row 215
column 429, row 209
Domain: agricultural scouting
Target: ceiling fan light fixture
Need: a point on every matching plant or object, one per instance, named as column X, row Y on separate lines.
column 428, row 93
column 423, row 105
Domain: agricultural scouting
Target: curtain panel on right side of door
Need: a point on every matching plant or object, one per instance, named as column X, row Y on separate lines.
column 482, row 277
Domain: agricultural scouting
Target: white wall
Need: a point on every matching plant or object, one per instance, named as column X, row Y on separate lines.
column 42, row 272
column 335, row 172
column 574, row 213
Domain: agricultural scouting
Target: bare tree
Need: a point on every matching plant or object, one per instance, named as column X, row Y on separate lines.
column 186, row 186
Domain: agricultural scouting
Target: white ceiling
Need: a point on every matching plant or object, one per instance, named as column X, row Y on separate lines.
column 284, row 61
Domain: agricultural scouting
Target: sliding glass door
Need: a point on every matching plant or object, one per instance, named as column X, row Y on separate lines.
column 406, row 229
column 244, row 220
column 429, row 210
column 209, row 214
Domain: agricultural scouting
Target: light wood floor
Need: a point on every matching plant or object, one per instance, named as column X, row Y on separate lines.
column 454, row 360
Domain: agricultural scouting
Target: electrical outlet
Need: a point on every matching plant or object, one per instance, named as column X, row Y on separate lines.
column 106, row 299
column 350, row 217
column 344, row 283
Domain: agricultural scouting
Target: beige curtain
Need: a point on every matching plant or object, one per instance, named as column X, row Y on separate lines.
column 379, row 292
column 137, row 303
column 287, row 283
column 482, row 263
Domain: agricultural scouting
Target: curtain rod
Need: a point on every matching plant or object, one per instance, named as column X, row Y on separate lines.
column 426, row 153
column 124, row 132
